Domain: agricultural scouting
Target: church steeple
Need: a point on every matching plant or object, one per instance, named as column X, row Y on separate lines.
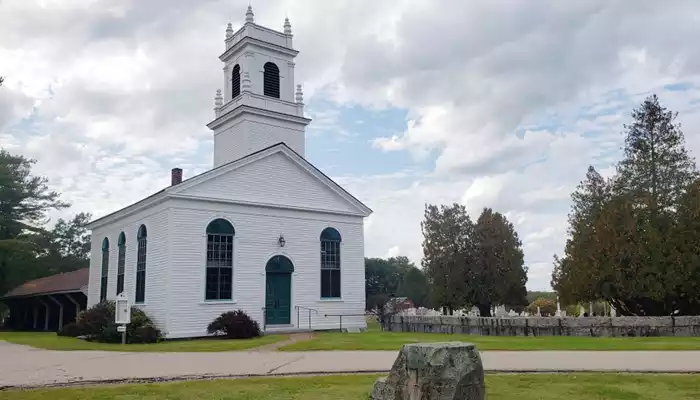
column 261, row 104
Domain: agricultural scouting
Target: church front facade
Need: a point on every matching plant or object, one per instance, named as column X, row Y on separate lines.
column 263, row 231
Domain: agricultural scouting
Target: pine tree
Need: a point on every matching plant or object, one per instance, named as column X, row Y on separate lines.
column 447, row 251
column 628, row 239
column 24, row 201
column 498, row 275
column 656, row 168
column 573, row 276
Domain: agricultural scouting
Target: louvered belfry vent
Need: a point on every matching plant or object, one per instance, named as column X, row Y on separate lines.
column 271, row 80
column 236, row 81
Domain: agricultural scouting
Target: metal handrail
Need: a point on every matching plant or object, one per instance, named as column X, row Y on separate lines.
column 299, row 308
column 341, row 317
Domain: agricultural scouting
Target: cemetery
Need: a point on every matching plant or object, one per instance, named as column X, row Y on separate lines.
column 548, row 326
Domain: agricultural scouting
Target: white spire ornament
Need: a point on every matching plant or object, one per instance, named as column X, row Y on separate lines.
column 249, row 16
column 229, row 30
column 218, row 102
column 287, row 27
column 299, row 95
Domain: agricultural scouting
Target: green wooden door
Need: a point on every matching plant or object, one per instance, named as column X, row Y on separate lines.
column 278, row 298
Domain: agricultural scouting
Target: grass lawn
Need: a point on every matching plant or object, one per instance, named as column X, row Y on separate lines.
column 357, row 387
column 51, row 341
column 377, row 340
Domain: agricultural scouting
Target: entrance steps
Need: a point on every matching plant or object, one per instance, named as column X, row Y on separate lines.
column 284, row 329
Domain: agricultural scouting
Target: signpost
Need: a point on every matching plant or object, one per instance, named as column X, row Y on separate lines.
column 122, row 314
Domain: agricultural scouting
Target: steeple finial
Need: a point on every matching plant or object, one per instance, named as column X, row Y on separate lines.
column 299, row 95
column 249, row 16
column 287, row 27
column 218, row 102
column 229, row 30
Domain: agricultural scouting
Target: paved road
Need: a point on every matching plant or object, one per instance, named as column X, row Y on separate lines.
column 22, row 366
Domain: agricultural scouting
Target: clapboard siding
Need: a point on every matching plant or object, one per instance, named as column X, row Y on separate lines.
column 257, row 231
column 275, row 179
column 156, row 221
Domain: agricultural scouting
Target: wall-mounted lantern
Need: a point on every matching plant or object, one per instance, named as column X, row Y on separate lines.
column 281, row 241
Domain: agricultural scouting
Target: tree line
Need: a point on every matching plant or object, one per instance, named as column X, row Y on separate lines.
column 394, row 277
column 28, row 250
column 465, row 264
column 470, row 263
column 634, row 238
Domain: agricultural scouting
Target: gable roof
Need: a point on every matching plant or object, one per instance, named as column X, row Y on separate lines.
column 172, row 191
column 66, row 282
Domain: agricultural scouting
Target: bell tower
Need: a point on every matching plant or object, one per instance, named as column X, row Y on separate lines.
column 260, row 106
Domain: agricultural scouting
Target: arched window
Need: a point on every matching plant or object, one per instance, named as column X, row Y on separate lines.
column 236, row 81
column 142, row 239
column 219, row 280
column 105, row 270
column 121, row 259
column 271, row 80
column 330, row 263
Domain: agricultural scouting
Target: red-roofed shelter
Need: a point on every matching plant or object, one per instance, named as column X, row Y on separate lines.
column 47, row 303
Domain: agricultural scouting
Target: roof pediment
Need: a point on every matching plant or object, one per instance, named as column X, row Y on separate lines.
column 276, row 176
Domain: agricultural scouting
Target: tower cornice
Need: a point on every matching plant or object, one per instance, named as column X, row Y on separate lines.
column 247, row 109
column 257, row 43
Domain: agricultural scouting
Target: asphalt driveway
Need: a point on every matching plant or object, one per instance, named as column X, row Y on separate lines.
column 22, row 366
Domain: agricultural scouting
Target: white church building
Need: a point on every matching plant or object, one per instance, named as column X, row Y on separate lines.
column 263, row 231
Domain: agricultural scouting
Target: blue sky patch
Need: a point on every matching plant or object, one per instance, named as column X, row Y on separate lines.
column 678, row 87
column 339, row 140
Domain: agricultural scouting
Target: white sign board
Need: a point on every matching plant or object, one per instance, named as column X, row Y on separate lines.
column 121, row 328
column 122, row 314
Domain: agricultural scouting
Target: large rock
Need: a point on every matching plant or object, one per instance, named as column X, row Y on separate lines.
column 434, row 371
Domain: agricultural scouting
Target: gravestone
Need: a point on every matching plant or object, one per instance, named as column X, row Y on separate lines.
column 434, row 371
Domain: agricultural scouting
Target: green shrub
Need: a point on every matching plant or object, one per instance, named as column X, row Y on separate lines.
column 97, row 324
column 235, row 325
column 109, row 334
column 92, row 321
column 70, row 330
column 145, row 334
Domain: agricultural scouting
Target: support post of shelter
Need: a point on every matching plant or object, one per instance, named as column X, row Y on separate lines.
column 60, row 312
column 77, row 305
column 46, row 315
column 35, row 316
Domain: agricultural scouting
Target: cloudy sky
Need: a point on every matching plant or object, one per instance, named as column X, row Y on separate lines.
column 499, row 103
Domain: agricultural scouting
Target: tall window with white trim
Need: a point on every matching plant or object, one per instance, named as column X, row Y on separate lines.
column 142, row 239
column 330, row 264
column 105, row 270
column 219, row 267
column 121, row 260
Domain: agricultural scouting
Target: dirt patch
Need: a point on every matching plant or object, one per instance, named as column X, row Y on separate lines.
column 293, row 338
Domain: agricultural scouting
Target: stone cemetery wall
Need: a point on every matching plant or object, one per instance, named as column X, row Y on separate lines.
column 548, row 326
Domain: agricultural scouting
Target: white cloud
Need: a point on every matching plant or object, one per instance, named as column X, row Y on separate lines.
column 394, row 251
column 514, row 98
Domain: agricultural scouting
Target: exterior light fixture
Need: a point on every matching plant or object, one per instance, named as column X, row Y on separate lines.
column 281, row 241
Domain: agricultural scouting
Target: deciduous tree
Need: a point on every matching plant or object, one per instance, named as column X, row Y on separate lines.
column 547, row 307
column 414, row 285
column 383, row 278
